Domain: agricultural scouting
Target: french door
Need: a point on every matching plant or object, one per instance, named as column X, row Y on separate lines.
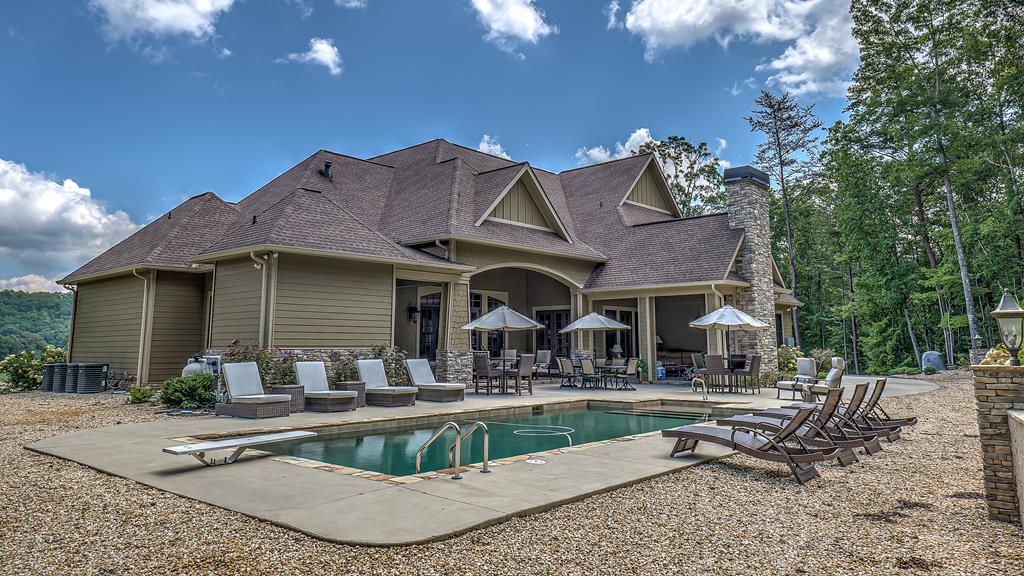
column 549, row 337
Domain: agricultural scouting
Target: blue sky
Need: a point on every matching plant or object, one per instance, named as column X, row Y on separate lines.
column 147, row 102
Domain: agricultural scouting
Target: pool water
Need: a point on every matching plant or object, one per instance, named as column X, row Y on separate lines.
column 393, row 452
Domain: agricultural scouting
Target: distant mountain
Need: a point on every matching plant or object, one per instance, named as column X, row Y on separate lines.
column 31, row 320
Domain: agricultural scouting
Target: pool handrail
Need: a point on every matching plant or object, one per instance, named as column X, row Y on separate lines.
column 437, row 434
column 469, row 432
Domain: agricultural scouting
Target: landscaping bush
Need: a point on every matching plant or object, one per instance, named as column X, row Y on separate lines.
column 189, row 392
column 929, row 370
column 140, row 394
column 998, row 356
column 274, row 367
column 787, row 358
column 768, row 378
column 394, row 365
column 24, row 371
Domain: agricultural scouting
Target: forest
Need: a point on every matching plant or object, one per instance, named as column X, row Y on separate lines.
column 31, row 320
column 900, row 226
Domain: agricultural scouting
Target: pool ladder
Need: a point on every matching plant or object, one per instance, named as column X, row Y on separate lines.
column 455, row 450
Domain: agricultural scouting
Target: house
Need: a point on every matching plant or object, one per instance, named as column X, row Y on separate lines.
column 404, row 248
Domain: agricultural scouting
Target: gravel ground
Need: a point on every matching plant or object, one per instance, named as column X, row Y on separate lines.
column 915, row 508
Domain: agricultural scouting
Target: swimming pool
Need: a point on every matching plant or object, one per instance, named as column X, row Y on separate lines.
column 393, row 452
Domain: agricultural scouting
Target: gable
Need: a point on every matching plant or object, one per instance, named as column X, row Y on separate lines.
column 650, row 191
column 519, row 206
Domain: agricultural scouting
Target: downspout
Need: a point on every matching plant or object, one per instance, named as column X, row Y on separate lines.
column 443, row 248
column 142, row 326
column 74, row 308
column 261, row 265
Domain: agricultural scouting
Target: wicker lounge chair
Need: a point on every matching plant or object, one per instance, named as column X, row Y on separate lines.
column 484, row 374
column 430, row 389
column 775, row 443
column 319, row 396
column 245, row 392
column 824, row 429
column 378, row 393
column 806, row 372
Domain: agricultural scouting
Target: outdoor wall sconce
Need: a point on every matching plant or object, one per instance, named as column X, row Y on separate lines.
column 1010, row 318
column 414, row 314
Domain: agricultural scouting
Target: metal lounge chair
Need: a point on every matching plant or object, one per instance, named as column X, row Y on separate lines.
column 771, row 442
column 319, row 396
column 838, row 422
column 430, row 389
column 378, row 393
column 873, row 413
column 849, row 411
column 245, row 392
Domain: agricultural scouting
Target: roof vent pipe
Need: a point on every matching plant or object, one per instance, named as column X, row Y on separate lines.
column 327, row 170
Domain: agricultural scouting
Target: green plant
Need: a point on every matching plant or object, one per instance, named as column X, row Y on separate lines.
column 140, row 394
column 24, row 371
column 393, row 358
column 929, row 370
column 189, row 392
column 768, row 378
column 641, row 367
column 787, row 358
column 997, row 356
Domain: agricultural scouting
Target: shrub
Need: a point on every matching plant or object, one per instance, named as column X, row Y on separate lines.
column 25, row 370
column 274, row 367
column 787, row 358
column 394, row 365
column 140, row 394
column 997, row 356
column 768, row 378
column 189, row 392
column 930, row 370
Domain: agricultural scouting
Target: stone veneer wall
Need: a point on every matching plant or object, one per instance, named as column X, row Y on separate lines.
column 749, row 210
column 455, row 366
column 998, row 390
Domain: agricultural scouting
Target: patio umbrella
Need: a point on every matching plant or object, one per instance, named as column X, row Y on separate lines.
column 729, row 318
column 504, row 319
column 593, row 322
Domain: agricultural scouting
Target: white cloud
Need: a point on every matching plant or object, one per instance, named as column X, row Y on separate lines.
column 30, row 283
column 509, row 22
column 128, row 19
column 612, row 13
column 52, row 227
column 620, row 150
column 735, row 90
column 350, row 3
column 305, row 7
column 819, row 59
column 224, row 53
column 722, row 145
column 321, row 52
column 491, row 146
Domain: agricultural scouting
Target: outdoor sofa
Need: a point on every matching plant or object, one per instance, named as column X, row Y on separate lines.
column 246, row 398
column 378, row 392
column 319, row 396
column 430, row 389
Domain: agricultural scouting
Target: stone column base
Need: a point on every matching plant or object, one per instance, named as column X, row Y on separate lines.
column 1000, row 390
column 455, row 366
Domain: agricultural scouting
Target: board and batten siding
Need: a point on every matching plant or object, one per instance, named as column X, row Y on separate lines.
column 327, row 303
column 236, row 303
column 519, row 206
column 108, row 322
column 648, row 192
column 178, row 330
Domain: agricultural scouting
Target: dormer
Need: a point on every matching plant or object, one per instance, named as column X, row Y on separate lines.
column 523, row 202
column 650, row 190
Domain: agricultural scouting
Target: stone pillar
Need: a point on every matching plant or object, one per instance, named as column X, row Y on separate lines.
column 1000, row 390
column 747, row 191
column 454, row 357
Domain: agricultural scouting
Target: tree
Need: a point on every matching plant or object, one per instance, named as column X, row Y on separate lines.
column 692, row 173
column 788, row 152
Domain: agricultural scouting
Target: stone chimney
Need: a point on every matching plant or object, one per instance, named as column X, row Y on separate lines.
column 747, row 190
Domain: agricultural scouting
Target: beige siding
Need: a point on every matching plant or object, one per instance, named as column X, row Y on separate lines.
column 236, row 303
column 648, row 191
column 326, row 303
column 519, row 206
column 107, row 323
column 481, row 255
column 177, row 323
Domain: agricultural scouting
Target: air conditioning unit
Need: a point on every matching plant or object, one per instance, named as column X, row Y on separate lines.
column 92, row 378
column 60, row 374
column 71, row 381
column 48, row 377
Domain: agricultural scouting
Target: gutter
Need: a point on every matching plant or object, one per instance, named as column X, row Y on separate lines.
column 261, row 265
column 142, row 326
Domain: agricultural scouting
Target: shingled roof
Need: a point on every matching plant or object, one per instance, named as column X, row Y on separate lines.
column 384, row 206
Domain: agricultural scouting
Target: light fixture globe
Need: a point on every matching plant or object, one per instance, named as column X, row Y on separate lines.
column 1010, row 318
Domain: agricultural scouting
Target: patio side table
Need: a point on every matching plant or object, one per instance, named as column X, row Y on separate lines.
column 296, row 391
column 357, row 386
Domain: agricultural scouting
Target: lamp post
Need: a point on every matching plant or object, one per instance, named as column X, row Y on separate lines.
column 1010, row 318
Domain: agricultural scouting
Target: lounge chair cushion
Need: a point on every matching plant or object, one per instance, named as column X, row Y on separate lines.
column 787, row 385
column 393, row 390
column 261, row 398
column 331, row 394
column 372, row 373
column 441, row 386
column 312, row 376
column 421, row 375
column 243, row 379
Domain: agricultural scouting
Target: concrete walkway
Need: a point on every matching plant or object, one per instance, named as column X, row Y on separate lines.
column 352, row 509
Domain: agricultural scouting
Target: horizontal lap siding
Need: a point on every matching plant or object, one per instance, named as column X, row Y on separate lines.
column 325, row 303
column 177, row 323
column 236, row 303
column 108, row 319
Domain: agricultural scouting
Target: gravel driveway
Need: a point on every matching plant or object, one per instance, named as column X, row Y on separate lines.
column 915, row 508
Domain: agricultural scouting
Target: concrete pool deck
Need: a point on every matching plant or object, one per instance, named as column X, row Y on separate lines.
column 355, row 509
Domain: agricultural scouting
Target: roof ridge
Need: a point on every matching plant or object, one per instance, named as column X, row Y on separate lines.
column 457, row 145
column 453, row 204
column 517, row 164
column 350, row 157
column 411, row 146
column 605, row 163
